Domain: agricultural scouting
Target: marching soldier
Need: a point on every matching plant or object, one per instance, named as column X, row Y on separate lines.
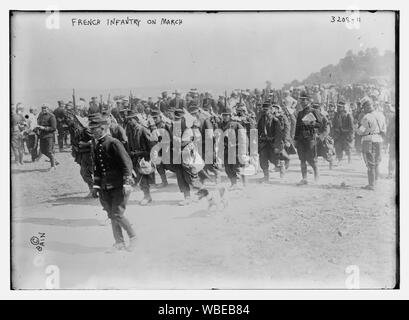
column 343, row 132
column 164, row 102
column 112, row 181
column 140, row 143
column 308, row 121
column 273, row 130
column 177, row 102
column 17, row 127
column 372, row 128
column 209, row 103
column 162, row 167
column 47, row 124
column 186, row 176
column 94, row 106
column 232, row 130
column 81, row 151
column 60, row 114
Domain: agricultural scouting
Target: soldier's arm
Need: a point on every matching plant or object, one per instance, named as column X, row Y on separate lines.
column 53, row 125
column 97, row 171
column 286, row 130
column 123, row 160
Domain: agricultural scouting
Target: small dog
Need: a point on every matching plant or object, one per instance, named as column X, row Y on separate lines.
column 217, row 199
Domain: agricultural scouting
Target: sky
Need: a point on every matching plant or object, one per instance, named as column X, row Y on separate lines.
column 231, row 50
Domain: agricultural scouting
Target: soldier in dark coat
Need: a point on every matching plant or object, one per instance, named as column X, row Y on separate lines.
column 47, row 124
column 112, row 181
column 273, row 131
column 94, row 106
column 308, row 121
column 164, row 102
column 187, row 178
column 209, row 103
column 343, row 132
column 232, row 129
column 60, row 114
column 177, row 102
column 140, row 143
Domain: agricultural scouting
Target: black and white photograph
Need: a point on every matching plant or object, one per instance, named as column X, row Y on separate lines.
column 204, row 149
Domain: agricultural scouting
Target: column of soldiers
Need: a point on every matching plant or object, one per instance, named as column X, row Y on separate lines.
column 311, row 121
column 113, row 142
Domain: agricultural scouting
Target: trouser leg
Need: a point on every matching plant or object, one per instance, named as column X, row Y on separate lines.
column 119, row 201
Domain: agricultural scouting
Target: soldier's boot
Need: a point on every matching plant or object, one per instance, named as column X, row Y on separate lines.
column 371, row 180
column 187, row 199
column 146, row 198
column 132, row 244
column 287, row 164
column 331, row 164
column 52, row 161
column 164, row 182
column 304, row 173
column 116, row 247
column 20, row 158
column 266, row 177
column 316, row 173
column 244, row 180
column 377, row 175
column 282, row 169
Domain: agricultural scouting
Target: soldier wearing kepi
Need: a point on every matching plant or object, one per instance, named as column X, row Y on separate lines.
column 232, row 130
column 308, row 121
column 47, row 124
column 372, row 128
column 61, row 116
column 112, row 181
column 343, row 130
column 273, row 131
column 140, row 143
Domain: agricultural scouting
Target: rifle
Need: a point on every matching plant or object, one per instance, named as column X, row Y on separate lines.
column 130, row 99
column 73, row 101
column 225, row 100
column 100, row 103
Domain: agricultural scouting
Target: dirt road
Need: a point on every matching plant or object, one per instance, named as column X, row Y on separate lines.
column 271, row 236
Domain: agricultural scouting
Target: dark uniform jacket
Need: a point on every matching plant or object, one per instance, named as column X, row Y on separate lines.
column 48, row 121
column 140, row 141
column 307, row 131
column 112, row 164
column 61, row 116
column 93, row 108
column 273, row 132
column 177, row 103
column 210, row 104
column 343, row 126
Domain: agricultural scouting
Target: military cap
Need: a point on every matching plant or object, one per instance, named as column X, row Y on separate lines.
column 316, row 105
column 155, row 112
column 94, row 98
column 97, row 121
column 45, row 105
column 132, row 114
column 266, row 105
column 304, row 95
column 341, row 103
column 228, row 110
column 193, row 109
column 241, row 107
column 179, row 113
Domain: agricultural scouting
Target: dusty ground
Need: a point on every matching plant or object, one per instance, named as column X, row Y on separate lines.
column 271, row 236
